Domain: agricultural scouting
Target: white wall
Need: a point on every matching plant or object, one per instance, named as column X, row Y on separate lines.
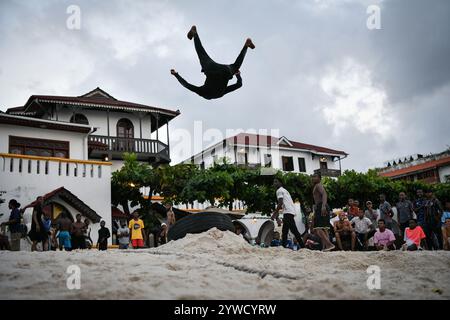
column 443, row 172
column 98, row 118
column 255, row 156
column 76, row 140
column 95, row 191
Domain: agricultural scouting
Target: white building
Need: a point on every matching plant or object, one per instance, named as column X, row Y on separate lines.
column 278, row 153
column 65, row 148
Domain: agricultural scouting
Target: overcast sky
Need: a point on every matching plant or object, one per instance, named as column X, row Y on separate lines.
column 318, row 74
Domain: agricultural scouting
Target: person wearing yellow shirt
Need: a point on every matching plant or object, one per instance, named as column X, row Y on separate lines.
column 136, row 227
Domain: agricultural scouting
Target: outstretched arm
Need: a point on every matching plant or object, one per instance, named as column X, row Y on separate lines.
column 235, row 86
column 184, row 83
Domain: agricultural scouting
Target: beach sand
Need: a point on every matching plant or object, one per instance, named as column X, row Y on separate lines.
column 221, row 265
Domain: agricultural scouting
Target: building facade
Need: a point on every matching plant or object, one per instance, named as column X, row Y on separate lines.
column 270, row 152
column 433, row 168
column 65, row 149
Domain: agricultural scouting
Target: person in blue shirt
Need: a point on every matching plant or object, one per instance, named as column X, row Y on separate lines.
column 14, row 224
column 419, row 207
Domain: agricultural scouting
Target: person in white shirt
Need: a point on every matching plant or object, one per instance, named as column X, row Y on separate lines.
column 287, row 207
column 363, row 226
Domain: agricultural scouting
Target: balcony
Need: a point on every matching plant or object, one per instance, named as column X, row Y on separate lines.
column 150, row 150
column 333, row 173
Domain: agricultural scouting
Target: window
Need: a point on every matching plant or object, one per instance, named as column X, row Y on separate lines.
column 79, row 118
column 125, row 132
column 288, row 163
column 38, row 147
column 301, row 165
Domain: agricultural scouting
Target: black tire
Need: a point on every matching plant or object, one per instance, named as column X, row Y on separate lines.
column 200, row 222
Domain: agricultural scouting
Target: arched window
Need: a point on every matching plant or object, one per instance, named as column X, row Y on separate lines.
column 79, row 118
column 125, row 128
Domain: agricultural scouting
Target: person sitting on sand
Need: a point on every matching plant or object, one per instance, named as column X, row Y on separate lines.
column 363, row 226
column 446, row 234
column 383, row 238
column 414, row 237
column 276, row 242
column 343, row 231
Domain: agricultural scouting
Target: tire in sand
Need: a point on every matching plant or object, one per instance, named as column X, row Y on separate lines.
column 200, row 222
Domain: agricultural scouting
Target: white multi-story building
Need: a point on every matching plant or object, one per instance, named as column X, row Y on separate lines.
column 278, row 153
column 65, row 148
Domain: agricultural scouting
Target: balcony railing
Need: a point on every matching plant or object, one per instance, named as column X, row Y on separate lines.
column 334, row 173
column 116, row 146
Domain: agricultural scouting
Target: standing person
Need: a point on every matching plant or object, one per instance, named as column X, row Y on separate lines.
column 78, row 229
column 123, row 234
column 371, row 214
column 87, row 234
column 419, row 208
column 14, row 225
column 363, row 227
column 343, row 231
column 286, row 205
column 37, row 232
column 405, row 211
column 432, row 225
column 383, row 238
column 170, row 215
column 321, row 220
column 103, row 236
column 446, row 234
column 446, row 212
column 47, row 222
column 414, row 237
column 386, row 212
column 64, row 226
column 217, row 75
column 136, row 227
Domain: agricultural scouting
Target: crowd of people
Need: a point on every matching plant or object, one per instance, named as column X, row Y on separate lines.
column 421, row 224
column 66, row 233
column 418, row 224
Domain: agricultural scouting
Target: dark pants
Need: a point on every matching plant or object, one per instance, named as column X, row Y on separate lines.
column 78, row 242
column 431, row 232
column 289, row 225
column 103, row 245
column 210, row 66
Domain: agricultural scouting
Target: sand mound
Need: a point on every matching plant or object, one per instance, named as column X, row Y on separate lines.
column 210, row 241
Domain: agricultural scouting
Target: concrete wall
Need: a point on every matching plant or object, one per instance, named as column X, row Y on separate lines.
column 91, row 184
column 77, row 141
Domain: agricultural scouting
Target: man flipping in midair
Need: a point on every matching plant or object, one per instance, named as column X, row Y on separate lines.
column 217, row 75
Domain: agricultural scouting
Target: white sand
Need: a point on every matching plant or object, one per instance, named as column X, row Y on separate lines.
column 220, row 265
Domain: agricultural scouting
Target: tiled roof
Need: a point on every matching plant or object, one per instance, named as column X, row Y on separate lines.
column 73, row 200
column 417, row 168
column 249, row 139
column 95, row 98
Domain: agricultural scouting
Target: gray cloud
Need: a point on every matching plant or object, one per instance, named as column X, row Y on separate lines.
column 128, row 47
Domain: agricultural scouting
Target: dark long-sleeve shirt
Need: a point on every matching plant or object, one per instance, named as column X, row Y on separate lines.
column 215, row 86
column 103, row 234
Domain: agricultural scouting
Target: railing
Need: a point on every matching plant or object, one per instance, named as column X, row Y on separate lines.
column 334, row 173
column 49, row 166
column 117, row 144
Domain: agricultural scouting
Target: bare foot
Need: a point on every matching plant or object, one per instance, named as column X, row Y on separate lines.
column 192, row 32
column 249, row 43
